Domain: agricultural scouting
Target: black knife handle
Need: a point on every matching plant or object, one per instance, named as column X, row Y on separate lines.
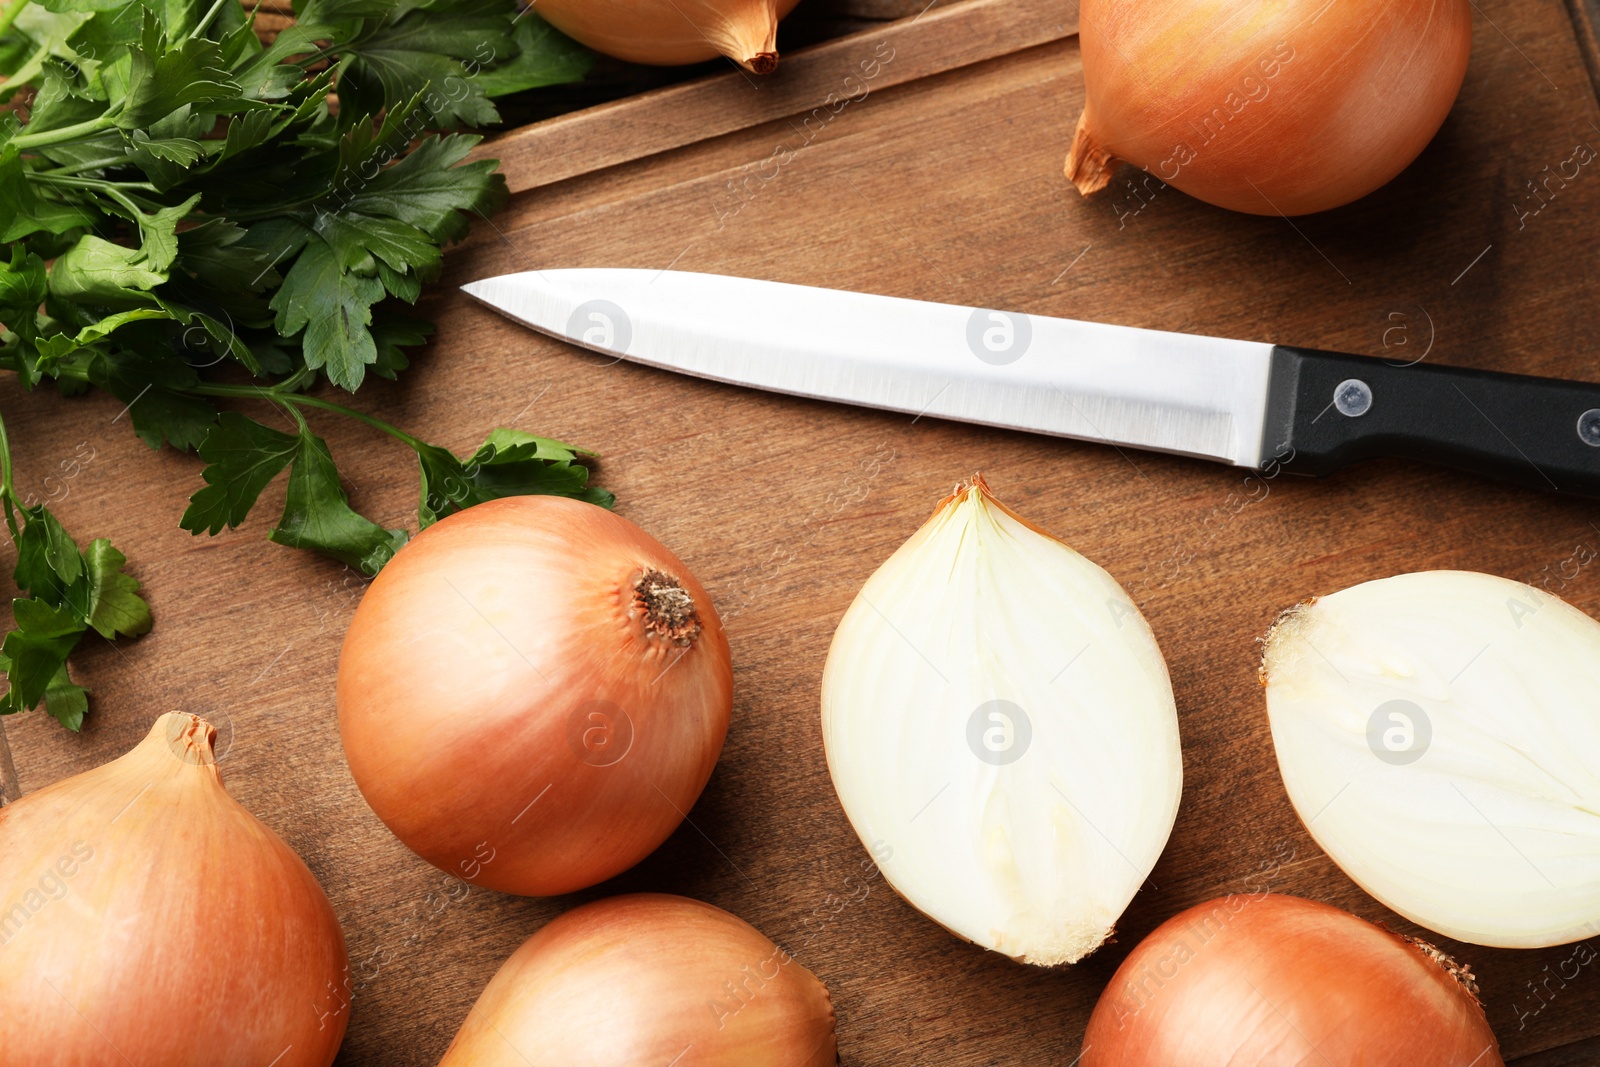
column 1328, row 409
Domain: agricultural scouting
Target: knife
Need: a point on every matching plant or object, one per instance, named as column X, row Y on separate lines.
column 1246, row 403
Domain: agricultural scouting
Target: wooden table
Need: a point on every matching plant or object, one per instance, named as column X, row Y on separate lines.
column 943, row 186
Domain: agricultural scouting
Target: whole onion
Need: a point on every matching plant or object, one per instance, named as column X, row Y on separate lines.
column 1286, row 108
column 1264, row 980
column 671, row 32
column 532, row 694
column 648, row 979
column 150, row 919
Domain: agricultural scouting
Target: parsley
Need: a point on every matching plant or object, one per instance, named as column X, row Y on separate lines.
column 69, row 592
column 197, row 222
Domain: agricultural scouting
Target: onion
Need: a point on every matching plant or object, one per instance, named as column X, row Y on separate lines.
column 1001, row 730
column 150, row 919
column 648, row 979
column 1436, row 731
column 1263, row 980
column 532, row 694
column 1284, row 108
column 671, row 32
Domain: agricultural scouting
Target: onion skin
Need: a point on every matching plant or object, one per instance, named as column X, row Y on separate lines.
column 1292, row 110
column 648, row 978
column 175, row 928
column 473, row 665
column 1265, row 980
column 675, row 32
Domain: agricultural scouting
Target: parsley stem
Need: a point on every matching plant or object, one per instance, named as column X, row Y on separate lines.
column 205, row 23
column 9, row 14
column 8, row 490
column 74, row 168
column 299, row 419
column 70, row 371
column 52, row 178
column 120, row 197
column 254, row 392
column 281, row 393
column 294, row 381
column 45, row 138
column 112, row 191
column 377, row 424
column 35, row 64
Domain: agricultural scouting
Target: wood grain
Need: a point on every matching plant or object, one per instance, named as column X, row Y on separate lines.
column 1578, row 1054
column 1585, row 20
column 947, row 188
column 809, row 82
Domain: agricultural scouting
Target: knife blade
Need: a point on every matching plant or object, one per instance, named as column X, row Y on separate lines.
column 1245, row 403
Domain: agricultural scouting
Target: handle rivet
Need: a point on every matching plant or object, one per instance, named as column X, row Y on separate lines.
column 1589, row 427
column 1353, row 397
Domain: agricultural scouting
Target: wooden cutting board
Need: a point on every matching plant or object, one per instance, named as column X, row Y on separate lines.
column 940, row 180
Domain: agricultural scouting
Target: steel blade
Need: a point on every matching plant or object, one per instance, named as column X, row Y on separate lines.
column 1169, row 392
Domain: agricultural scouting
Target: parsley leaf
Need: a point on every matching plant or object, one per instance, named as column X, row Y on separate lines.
column 334, row 308
column 37, row 651
column 23, row 211
column 155, row 391
column 317, row 514
column 544, row 57
column 96, row 271
column 47, row 558
column 509, row 463
column 163, row 79
column 113, row 607
column 242, row 457
column 361, row 241
column 432, row 190
column 66, row 700
column 416, row 54
column 70, row 593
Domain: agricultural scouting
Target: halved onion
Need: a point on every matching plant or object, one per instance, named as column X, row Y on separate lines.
column 1436, row 731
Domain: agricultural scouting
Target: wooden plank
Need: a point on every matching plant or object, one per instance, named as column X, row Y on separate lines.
column 1578, row 1054
column 811, row 80
column 1586, row 21
column 948, row 188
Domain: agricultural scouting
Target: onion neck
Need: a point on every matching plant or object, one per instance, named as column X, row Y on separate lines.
column 666, row 608
column 760, row 63
column 188, row 737
column 1089, row 163
column 750, row 39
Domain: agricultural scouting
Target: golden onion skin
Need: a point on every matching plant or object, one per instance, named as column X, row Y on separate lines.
column 674, row 32
column 1283, row 109
column 648, row 978
column 487, row 668
column 1266, row 980
column 151, row 919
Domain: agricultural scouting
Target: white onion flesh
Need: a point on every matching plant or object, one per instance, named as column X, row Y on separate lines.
column 1029, row 833
column 1438, row 733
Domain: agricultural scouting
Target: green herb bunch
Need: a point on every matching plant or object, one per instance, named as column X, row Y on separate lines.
column 194, row 220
